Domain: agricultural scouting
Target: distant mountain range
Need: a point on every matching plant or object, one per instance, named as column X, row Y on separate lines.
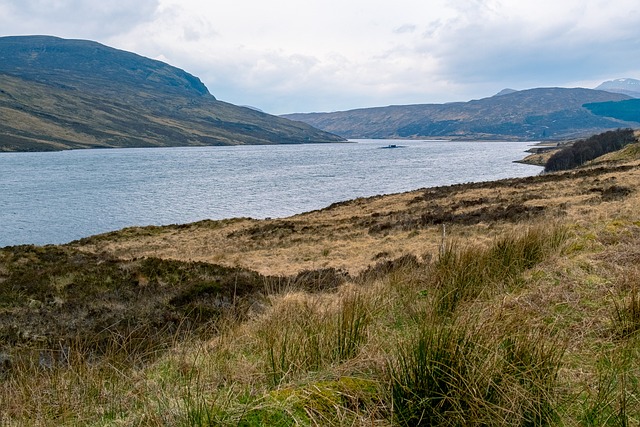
column 59, row 94
column 534, row 114
column 629, row 87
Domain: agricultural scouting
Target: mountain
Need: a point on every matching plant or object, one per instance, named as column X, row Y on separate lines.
column 629, row 87
column 59, row 94
column 534, row 114
column 506, row 91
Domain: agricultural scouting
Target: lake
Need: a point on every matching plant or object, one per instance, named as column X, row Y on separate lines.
column 57, row 197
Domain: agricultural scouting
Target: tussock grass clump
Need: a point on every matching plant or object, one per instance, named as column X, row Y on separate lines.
column 308, row 334
column 614, row 399
column 449, row 375
column 464, row 274
column 74, row 384
column 626, row 314
column 459, row 372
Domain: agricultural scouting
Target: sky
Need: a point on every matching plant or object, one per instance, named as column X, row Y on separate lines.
column 285, row 56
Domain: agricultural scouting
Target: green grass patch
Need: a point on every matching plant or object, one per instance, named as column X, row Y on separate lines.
column 448, row 376
column 461, row 275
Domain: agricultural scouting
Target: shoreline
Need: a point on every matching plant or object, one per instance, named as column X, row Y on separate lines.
column 157, row 199
column 178, row 225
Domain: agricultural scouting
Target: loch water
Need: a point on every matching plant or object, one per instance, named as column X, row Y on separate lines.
column 57, row 197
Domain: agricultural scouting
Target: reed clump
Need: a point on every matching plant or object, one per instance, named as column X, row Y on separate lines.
column 315, row 335
column 448, row 375
column 462, row 274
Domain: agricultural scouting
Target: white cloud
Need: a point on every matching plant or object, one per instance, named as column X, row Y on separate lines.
column 74, row 18
column 284, row 55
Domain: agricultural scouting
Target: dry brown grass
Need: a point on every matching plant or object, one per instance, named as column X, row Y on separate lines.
column 354, row 235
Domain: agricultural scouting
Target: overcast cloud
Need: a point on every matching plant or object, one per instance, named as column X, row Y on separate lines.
column 292, row 56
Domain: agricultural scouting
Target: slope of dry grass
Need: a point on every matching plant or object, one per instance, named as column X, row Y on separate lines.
column 356, row 234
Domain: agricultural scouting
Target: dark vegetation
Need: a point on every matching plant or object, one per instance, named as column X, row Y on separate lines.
column 53, row 294
column 627, row 110
column 589, row 149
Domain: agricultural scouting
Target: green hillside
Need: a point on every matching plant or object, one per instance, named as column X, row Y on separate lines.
column 60, row 94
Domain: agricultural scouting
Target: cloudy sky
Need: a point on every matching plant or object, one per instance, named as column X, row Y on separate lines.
column 308, row 55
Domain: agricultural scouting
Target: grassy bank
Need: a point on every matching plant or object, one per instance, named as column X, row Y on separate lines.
column 507, row 303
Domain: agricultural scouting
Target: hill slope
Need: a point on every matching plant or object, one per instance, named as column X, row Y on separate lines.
column 533, row 114
column 60, row 94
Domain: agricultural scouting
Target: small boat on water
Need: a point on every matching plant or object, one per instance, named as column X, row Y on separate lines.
column 393, row 146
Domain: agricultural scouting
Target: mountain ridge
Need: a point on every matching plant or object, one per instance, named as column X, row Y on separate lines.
column 625, row 86
column 60, row 94
column 46, row 59
column 532, row 114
